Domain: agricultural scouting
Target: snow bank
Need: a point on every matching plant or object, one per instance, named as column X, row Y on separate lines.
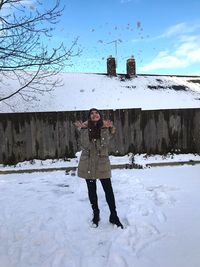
column 140, row 159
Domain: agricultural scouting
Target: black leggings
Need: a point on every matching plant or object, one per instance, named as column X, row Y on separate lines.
column 107, row 187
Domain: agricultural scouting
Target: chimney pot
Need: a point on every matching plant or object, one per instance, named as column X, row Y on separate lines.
column 131, row 66
column 111, row 66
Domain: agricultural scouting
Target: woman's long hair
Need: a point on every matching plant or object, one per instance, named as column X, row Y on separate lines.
column 94, row 129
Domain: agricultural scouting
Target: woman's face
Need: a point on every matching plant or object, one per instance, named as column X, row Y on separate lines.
column 94, row 116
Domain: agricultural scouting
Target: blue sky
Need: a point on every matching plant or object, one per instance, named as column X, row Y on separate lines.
column 163, row 36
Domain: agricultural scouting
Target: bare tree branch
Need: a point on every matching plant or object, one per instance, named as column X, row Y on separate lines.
column 23, row 56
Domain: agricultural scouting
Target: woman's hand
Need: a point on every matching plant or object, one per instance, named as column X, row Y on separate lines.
column 107, row 123
column 80, row 124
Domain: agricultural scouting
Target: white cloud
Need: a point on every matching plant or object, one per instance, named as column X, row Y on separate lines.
column 180, row 30
column 136, row 40
column 186, row 48
column 183, row 55
column 185, row 51
column 164, row 61
column 194, row 56
column 189, row 48
column 176, row 29
column 127, row 1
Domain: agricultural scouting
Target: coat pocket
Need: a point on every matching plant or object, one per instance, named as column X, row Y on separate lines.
column 104, row 164
column 83, row 165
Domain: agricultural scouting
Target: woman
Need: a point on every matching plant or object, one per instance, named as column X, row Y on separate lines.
column 94, row 162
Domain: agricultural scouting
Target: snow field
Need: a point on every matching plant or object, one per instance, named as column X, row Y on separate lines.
column 45, row 220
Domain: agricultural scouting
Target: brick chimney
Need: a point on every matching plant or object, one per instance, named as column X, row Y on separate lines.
column 111, row 66
column 131, row 67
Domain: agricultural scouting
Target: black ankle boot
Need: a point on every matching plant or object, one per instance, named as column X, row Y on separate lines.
column 96, row 218
column 114, row 219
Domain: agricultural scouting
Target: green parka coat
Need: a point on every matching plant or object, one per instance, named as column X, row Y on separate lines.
column 94, row 161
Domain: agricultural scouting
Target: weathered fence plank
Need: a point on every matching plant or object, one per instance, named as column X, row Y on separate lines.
column 25, row 136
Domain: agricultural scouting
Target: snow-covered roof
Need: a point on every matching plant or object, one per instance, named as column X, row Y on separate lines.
column 81, row 91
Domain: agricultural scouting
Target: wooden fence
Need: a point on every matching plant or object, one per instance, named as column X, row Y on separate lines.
column 26, row 136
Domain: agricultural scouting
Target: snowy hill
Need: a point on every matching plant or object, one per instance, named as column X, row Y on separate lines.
column 81, row 91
